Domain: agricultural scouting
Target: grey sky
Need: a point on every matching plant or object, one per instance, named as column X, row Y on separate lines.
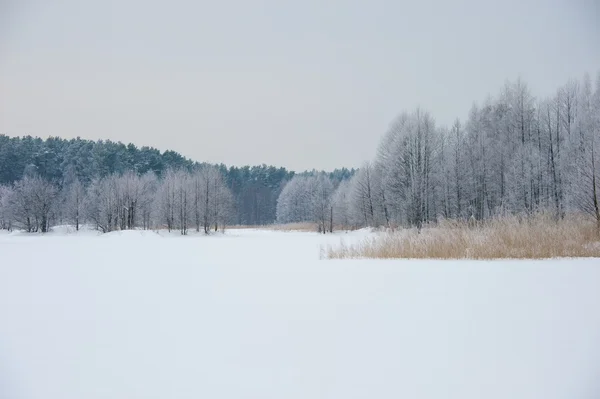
column 299, row 84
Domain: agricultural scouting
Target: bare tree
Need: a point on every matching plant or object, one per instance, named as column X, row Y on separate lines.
column 364, row 193
column 340, row 204
column 102, row 203
column 5, row 209
column 211, row 199
column 222, row 201
column 149, row 191
column 408, row 154
column 74, row 203
column 587, row 164
column 173, row 200
column 322, row 211
column 31, row 203
column 182, row 200
column 307, row 199
column 293, row 204
column 165, row 200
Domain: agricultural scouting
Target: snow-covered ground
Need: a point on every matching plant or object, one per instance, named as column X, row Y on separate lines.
column 257, row 314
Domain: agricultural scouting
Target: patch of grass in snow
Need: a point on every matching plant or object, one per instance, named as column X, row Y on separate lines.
column 538, row 237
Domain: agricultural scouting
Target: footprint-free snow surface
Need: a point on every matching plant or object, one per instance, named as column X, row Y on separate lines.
column 257, row 314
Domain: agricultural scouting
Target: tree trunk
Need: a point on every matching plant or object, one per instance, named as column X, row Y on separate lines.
column 595, row 191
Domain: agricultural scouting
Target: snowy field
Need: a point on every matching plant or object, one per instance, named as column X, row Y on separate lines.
column 257, row 314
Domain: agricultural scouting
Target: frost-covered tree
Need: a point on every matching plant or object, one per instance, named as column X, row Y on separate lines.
column 381, row 197
column 5, row 208
column 222, row 201
column 149, row 186
column 212, row 201
column 322, row 209
column 182, row 189
column 174, row 200
column 364, row 194
column 74, row 203
column 307, row 199
column 102, row 203
column 408, row 154
column 32, row 202
column 341, row 205
column 134, row 196
column 295, row 201
column 165, row 200
column 586, row 193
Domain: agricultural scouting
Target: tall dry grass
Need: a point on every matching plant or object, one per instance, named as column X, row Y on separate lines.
column 538, row 237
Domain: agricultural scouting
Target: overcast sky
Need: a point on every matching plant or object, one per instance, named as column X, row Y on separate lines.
column 299, row 84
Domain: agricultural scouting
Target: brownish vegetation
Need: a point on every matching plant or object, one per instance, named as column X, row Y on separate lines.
column 538, row 237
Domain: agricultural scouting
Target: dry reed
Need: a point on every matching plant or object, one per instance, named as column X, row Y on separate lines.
column 537, row 237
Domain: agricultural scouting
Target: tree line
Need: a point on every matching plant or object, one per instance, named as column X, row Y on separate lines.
column 180, row 200
column 515, row 154
column 57, row 162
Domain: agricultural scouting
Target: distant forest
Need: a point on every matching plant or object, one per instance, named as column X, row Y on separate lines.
column 255, row 189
